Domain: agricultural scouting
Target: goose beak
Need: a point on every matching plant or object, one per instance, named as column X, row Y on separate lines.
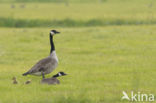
column 65, row 74
column 57, row 32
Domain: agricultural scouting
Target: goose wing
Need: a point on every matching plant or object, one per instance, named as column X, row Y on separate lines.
column 41, row 65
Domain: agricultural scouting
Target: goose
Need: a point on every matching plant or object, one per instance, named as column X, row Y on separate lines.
column 53, row 80
column 48, row 64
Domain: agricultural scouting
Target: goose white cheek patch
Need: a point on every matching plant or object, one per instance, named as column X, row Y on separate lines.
column 59, row 74
column 52, row 33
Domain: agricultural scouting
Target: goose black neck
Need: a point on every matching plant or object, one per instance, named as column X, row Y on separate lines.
column 56, row 75
column 52, row 44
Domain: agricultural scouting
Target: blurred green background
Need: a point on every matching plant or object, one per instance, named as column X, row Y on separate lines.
column 76, row 13
column 106, row 47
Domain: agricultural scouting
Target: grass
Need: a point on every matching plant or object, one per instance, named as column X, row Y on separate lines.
column 138, row 12
column 105, row 47
column 55, row 1
column 135, row 10
column 19, row 23
column 101, row 63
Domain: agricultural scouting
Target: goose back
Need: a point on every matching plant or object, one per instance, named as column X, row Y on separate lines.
column 46, row 65
column 50, row 81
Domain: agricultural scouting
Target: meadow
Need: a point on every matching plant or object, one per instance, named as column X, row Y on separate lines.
column 101, row 60
column 78, row 14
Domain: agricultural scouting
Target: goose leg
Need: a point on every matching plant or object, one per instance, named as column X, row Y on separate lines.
column 43, row 75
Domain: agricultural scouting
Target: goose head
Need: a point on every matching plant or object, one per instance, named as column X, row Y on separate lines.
column 61, row 74
column 53, row 32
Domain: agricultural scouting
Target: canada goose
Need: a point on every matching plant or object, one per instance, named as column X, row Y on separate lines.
column 28, row 82
column 14, row 80
column 48, row 64
column 53, row 80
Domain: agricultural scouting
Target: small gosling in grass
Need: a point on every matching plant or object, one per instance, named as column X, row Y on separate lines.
column 28, row 82
column 14, row 80
column 53, row 80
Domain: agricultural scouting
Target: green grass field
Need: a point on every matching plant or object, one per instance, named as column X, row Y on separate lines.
column 112, row 9
column 101, row 61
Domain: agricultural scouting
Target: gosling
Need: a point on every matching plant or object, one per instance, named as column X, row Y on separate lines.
column 14, row 80
column 28, row 82
column 53, row 80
